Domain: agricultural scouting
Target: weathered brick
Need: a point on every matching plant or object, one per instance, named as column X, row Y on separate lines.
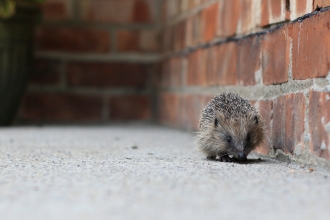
column 278, row 129
column 299, row 8
column 170, row 109
column 272, row 11
column 193, row 106
column 61, row 107
column 165, row 77
column 265, row 109
column 176, row 71
column 228, row 20
column 317, row 4
column 149, row 41
column 210, row 21
column 172, row 8
column 57, row 10
column 184, row 6
column 188, row 41
column 288, row 123
column 196, row 68
column 227, row 64
column 276, row 56
column 246, row 21
column 311, row 47
column 121, row 12
column 179, row 36
column 45, row 72
column 248, row 52
column 138, row 41
column 107, row 75
column 211, row 65
column 130, row 107
column 77, row 40
column 168, row 39
column 197, row 29
column 128, row 40
column 319, row 123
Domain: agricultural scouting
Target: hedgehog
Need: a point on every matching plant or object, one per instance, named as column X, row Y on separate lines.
column 229, row 128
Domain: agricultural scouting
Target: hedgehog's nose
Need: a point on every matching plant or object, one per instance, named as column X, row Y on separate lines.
column 241, row 156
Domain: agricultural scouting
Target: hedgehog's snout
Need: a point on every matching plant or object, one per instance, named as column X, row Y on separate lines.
column 241, row 156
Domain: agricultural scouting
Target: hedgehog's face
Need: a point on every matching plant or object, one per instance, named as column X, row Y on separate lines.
column 238, row 136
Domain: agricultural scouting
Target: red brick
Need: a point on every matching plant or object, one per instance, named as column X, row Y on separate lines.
column 196, row 68
column 45, row 72
column 311, row 47
column 172, row 72
column 193, row 105
column 188, row 41
column 137, row 41
column 193, row 30
column 319, row 123
column 211, row 65
column 56, row 10
column 278, row 129
column 172, row 8
column 170, row 109
column 299, row 8
column 210, row 21
column 184, row 6
column 298, row 114
column 265, row 109
column 165, row 77
column 193, row 3
column 276, row 56
column 107, row 75
column 141, row 11
column 227, row 64
column 168, row 39
column 246, row 16
column 288, row 123
column 77, row 40
column 149, row 41
column 272, row 11
column 119, row 12
column 176, row 71
column 248, row 53
column 61, row 107
column 228, row 20
column 130, row 107
column 197, row 29
column 320, row 4
column 179, row 36
column 128, row 40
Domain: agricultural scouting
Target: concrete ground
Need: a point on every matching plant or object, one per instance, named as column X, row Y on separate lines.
column 145, row 172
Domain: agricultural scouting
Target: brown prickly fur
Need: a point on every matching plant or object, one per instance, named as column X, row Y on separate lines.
column 229, row 125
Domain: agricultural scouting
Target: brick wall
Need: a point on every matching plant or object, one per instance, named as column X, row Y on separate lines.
column 93, row 62
column 109, row 60
column 274, row 53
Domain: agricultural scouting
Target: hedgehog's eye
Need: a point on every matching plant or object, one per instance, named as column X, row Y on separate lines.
column 228, row 139
column 216, row 122
column 256, row 119
column 248, row 138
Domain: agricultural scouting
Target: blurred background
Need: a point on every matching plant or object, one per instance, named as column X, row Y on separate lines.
column 106, row 61
column 93, row 62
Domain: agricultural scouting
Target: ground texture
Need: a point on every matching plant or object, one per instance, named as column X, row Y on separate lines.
column 145, row 172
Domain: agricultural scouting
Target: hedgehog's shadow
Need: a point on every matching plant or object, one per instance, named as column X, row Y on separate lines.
column 248, row 161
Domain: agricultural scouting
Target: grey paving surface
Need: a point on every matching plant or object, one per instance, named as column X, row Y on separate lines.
column 145, row 172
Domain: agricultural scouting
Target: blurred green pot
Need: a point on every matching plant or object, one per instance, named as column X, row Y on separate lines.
column 16, row 35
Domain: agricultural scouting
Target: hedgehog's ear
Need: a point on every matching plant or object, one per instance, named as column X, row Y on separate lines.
column 256, row 119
